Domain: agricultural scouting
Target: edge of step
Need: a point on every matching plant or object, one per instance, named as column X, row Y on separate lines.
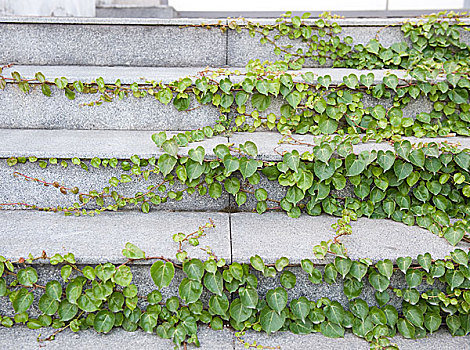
column 129, row 75
column 122, row 144
column 236, row 237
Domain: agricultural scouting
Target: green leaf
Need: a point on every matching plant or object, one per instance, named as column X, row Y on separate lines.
column 385, row 159
column 232, row 185
column 133, row 252
column 270, row 320
column 67, row 311
column 249, row 297
column 104, row 321
column 413, row 278
column 27, row 277
column 54, row 290
column 292, row 160
column 378, row 281
column 214, row 282
column 327, row 125
column 391, row 81
column 454, row 234
column 248, row 167
column 343, row 265
column 260, row 102
column 406, row 329
column 334, row 312
column 454, row 278
column 239, row 312
column 414, row 314
column 294, row 98
column 22, row 300
column 166, row 163
column 300, row 308
column 162, row 273
column 197, row 154
column 402, row 170
column 331, row 330
column 48, row 305
column 257, row 263
column 194, row 269
column 359, row 308
column 288, row 279
column 385, row 268
column 432, row 321
column 277, row 299
column 350, row 81
column 404, row 263
column 190, row 290
column 358, row 270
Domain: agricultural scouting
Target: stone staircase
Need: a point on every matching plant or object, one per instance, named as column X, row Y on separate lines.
column 138, row 50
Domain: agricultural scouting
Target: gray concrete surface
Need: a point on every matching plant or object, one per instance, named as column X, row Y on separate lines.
column 86, row 144
column 101, row 239
column 273, row 235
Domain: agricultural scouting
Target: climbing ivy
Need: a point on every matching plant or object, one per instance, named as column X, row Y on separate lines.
column 104, row 296
column 424, row 184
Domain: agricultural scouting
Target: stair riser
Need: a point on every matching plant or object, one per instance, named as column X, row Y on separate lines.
column 108, row 45
column 34, row 110
column 303, row 287
column 146, row 43
column 13, row 190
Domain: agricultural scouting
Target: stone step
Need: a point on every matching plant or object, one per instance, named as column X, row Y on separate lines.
column 66, row 144
column 144, row 42
column 35, row 110
column 213, row 340
column 236, row 237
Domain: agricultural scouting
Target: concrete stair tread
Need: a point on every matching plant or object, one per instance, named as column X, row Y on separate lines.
column 129, row 75
column 122, row 144
column 214, row 340
column 237, row 236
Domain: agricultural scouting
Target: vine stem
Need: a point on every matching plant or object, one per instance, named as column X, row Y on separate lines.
column 52, row 336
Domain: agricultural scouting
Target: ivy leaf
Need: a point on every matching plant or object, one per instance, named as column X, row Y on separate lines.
column 350, row 81
column 334, row 312
column 231, row 164
column 232, row 185
column 271, row 321
column 343, row 265
column 367, row 80
column 239, row 312
column 170, row 147
column 406, row 329
column 358, row 270
column 294, row 98
column 249, row 297
column 300, row 308
column 277, row 299
column 327, row 125
column 27, row 277
column 48, row 305
column 288, row 279
column 356, row 167
column 324, row 153
column 194, row 269
column 385, row 159
column 218, row 304
column 22, row 300
column 432, row 321
column 454, row 278
column 162, row 273
column 260, row 102
column 378, row 281
column 413, row 278
column 292, row 160
column 417, row 157
column 385, row 268
column 391, row 81
column 133, row 252
column 414, row 314
column 104, row 321
column 190, row 290
column 454, row 235
column 404, row 263
column 197, row 154
column 402, row 170
column 425, row 261
column 248, row 167
column 331, row 330
column 463, row 160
